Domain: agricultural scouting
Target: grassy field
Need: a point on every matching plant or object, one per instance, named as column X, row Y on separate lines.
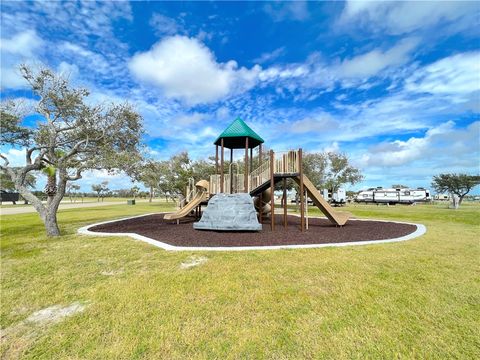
column 415, row 299
column 66, row 200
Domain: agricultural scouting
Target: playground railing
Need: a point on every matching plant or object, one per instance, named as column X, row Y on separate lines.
column 191, row 191
column 285, row 162
column 260, row 175
column 238, row 184
column 214, row 186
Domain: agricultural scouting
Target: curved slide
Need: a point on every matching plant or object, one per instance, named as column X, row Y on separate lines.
column 336, row 217
column 201, row 195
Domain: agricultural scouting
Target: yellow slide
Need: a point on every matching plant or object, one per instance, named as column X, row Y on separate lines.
column 321, row 203
column 201, row 195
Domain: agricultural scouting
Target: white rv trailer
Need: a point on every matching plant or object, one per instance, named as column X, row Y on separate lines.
column 339, row 197
column 442, row 197
column 380, row 195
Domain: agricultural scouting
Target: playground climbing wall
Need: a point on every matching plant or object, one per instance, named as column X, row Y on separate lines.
column 229, row 212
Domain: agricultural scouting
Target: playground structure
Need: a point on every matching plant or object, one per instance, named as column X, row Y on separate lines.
column 259, row 183
column 194, row 201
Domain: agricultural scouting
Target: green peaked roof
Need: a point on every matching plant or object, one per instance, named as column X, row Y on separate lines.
column 234, row 136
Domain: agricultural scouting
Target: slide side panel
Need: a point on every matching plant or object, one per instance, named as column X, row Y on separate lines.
column 321, row 203
column 187, row 209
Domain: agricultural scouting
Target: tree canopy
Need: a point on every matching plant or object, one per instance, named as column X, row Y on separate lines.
column 456, row 184
column 330, row 170
column 6, row 182
column 72, row 136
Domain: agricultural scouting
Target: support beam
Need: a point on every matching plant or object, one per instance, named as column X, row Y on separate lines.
column 272, row 188
column 231, row 171
column 251, row 159
column 285, row 203
column 260, row 213
column 302, row 192
column 221, row 166
column 216, row 159
column 245, row 176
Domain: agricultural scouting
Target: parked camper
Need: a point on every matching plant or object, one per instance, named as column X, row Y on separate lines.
column 339, row 197
column 392, row 196
column 441, row 197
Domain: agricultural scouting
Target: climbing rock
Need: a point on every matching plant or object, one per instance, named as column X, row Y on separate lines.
column 229, row 212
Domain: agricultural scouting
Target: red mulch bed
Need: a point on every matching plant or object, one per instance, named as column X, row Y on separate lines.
column 320, row 231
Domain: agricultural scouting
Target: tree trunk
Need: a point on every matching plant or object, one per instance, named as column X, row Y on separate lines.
column 151, row 194
column 48, row 214
column 50, row 222
column 455, row 201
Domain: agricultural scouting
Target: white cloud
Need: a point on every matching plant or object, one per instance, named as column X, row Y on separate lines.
column 85, row 57
column 270, row 56
column 461, row 143
column 189, row 119
column 68, row 70
column 457, row 74
column 186, row 69
column 115, row 181
column 375, row 61
column 24, row 43
column 22, row 47
column 320, row 123
column 163, row 25
column 400, row 17
column 288, row 10
column 16, row 157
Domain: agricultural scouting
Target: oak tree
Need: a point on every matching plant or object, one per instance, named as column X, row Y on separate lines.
column 70, row 137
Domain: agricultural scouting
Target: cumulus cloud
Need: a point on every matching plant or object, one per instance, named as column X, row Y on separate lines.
column 459, row 142
column 186, row 69
column 401, row 17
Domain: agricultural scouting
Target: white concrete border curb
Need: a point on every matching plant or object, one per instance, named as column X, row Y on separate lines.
column 421, row 229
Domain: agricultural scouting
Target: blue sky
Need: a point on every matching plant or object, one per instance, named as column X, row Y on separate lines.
column 395, row 85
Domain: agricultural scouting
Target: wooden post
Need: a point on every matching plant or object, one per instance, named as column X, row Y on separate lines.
column 231, row 171
column 306, row 210
column 216, row 159
column 261, row 194
column 302, row 191
column 285, row 203
column 245, row 176
column 251, row 159
column 221, row 166
column 272, row 188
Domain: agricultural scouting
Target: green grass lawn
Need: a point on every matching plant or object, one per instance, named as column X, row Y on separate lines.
column 415, row 299
column 78, row 200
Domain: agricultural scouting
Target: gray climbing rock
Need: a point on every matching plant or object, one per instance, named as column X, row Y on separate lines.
column 231, row 212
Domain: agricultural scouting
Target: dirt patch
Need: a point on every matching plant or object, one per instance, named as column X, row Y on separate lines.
column 19, row 337
column 111, row 273
column 320, row 231
column 54, row 314
column 193, row 261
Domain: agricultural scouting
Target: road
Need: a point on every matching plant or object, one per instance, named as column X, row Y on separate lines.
column 29, row 209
